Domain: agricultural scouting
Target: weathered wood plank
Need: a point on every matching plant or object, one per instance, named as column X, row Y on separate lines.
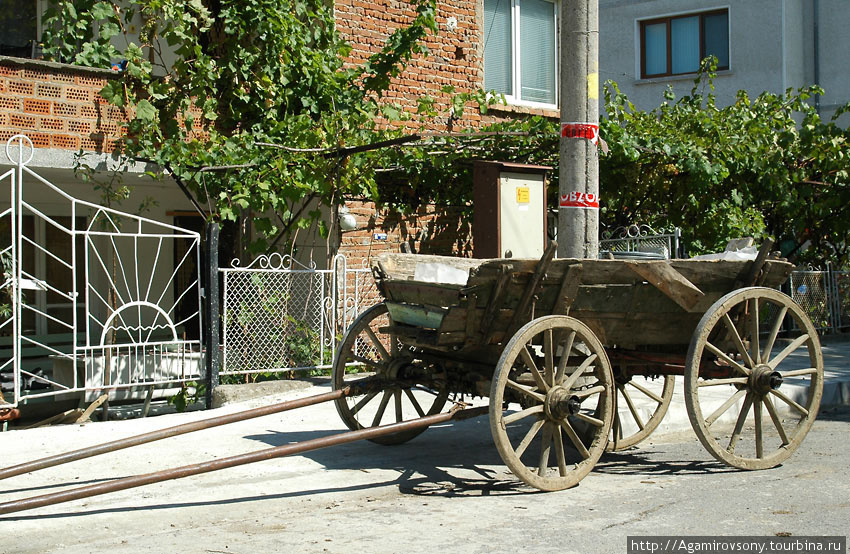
column 569, row 288
column 416, row 292
column 662, row 276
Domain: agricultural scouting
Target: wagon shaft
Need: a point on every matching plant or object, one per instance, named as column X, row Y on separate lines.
column 457, row 412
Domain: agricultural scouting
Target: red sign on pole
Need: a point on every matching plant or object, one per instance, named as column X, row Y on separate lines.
column 589, row 131
column 577, row 199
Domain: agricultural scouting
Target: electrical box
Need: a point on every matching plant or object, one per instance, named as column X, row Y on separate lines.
column 509, row 218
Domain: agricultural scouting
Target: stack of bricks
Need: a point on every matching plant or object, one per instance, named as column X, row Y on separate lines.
column 58, row 106
column 430, row 230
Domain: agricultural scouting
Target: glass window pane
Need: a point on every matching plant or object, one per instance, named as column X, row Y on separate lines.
column 537, row 50
column 17, row 27
column 716, row 37
column 498, row 53
column 655, row 48
column 684, row 37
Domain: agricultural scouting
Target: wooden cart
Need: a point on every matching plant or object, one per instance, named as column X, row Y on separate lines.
column 580, row 356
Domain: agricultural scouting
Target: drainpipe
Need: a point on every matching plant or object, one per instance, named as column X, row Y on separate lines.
column 784, row 48
column 816, row 51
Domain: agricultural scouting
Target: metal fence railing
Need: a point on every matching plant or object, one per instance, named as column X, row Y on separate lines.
column 825, row 296
column 278, row 315
column 641, row 241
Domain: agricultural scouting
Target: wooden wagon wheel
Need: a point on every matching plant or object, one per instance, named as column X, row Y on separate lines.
column 636, row 426
column 367, row 352
column 771, row 354
column 557, row 372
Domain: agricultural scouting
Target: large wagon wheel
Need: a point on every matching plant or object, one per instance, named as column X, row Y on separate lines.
column 367, row 352
column 556, row 371
column 636, row 393
column 772, row 358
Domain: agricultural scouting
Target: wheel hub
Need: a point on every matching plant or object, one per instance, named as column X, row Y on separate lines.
column 560, row 403
column 764, row 379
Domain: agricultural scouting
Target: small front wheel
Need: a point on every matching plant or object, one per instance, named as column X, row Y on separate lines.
column 551, row 402
column 369, row 351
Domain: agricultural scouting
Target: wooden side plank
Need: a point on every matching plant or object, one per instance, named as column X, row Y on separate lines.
column 673, row 284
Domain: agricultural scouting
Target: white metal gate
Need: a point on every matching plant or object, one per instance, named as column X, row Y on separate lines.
column 279, row 315
column 91, row 299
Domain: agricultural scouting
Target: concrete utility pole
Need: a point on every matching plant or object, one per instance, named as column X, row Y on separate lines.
column 578, row 213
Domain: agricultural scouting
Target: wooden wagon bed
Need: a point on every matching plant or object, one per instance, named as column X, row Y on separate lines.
column 581, row 356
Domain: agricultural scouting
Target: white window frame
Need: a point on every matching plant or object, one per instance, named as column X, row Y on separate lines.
column 639, row 40
column 516, row 73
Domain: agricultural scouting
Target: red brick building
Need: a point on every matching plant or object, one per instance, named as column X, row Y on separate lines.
column 60, row 109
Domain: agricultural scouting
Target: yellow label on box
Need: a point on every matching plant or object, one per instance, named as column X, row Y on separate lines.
column 523, row 195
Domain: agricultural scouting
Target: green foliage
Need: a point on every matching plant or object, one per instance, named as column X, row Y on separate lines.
column 212, row 82
column 189, row 393
column 767, row 166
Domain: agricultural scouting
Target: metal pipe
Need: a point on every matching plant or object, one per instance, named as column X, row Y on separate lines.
column 169, row 432
column 205, row 467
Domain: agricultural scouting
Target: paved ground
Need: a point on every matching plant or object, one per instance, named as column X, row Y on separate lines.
column 447, row 490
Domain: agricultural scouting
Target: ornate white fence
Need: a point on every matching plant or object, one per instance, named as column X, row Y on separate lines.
column 93, row 299
column 279, row 315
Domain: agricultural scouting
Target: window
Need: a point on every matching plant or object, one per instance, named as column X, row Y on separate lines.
column 676, row 45
column 520, row 50
column 18, row 28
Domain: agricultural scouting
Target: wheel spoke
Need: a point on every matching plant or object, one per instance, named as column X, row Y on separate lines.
column 618, row 427
column 759, row 434
column 565, row 356
column 415, row 403
column 532, row 367
column 729, row 381
column 559, row 451
column 790, row 402
column 800, row 372
column 632, row 409
column 771, row 409
column 571, row 433
column 379, row 415
column 545, row 446
column 508, row 419
column 739, row 425
column 754, row 331
column 579, row 371
column 378, row 346
column 359, row 406
column 584, row 393
column 399, row 415
column 724, row 407
column 736, row 337
column 723, row 356
column 526, row 440
column 590, row 419
column 774, row 332
column 525, row 390
column 646, row 391
column 795, row 344
column 368, row 362
column 548, row 365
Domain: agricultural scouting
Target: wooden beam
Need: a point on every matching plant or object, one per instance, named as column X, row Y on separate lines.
column 673, row 284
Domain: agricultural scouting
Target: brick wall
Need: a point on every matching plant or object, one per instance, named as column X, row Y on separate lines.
column 431, row 230
column 57, row 106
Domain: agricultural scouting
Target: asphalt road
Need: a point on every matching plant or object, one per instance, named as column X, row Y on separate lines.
column 445, row 491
